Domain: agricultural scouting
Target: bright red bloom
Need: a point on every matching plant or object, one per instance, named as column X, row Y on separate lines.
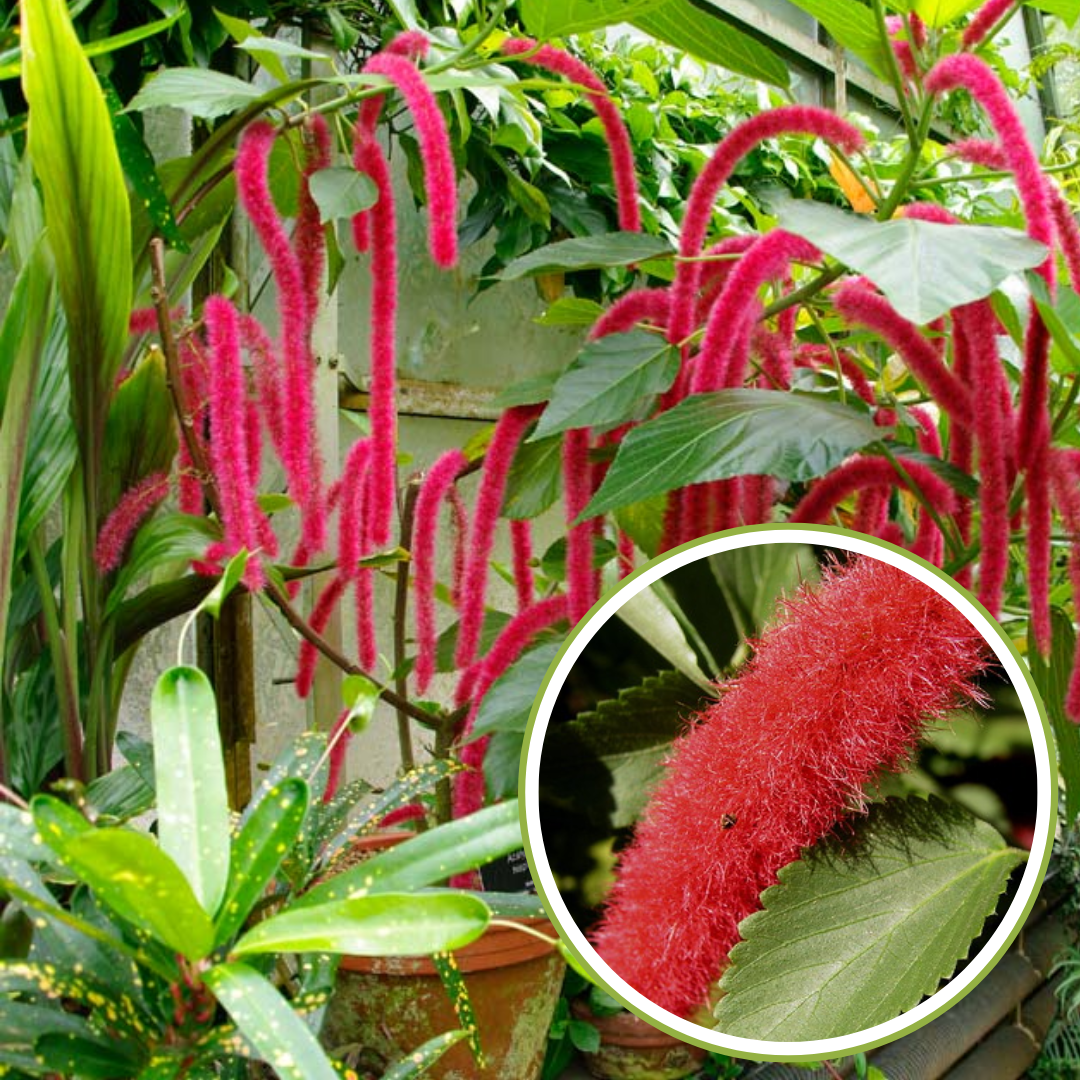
column 838, row 691
column 126, row 516
column 786, row 120
column 618, row 139
column 984, row 20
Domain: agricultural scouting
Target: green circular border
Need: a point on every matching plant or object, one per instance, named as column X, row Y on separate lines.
column 827, row 532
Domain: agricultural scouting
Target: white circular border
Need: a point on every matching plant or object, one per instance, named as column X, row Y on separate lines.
column 816, row 1048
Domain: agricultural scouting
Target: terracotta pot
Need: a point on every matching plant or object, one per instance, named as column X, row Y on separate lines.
column 389, row 1006
column 631, row 1049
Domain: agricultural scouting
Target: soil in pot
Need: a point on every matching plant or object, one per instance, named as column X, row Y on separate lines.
column 631, row 1049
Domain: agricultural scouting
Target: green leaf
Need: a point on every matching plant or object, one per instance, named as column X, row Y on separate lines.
column 709, row 37
column 1059, row 315
column 732, row 433
column 428, row 858
column 1051, row 675
column 340, row 192
column 924, row 268
column 230, row 578
column 605, row 762
column 535, row 479
column 574, row 311
column 298, row 758
column 241, row 30
column 131, row 875
column 457, row 991
column 608, row 381
column 545, row 19
column 388, row 924
column 206, row 94
column 651, row 614
column 507, row 705
column 1065, row 10
column 89, row 1058
column 423, row 1057
column 852, row 25
column 120, row 795
column 264, row 1017
column 86, row 210
column 860, row 931
column 587, row 253
column 165, row 538
column 938, row 13
column 755, row 577
column 19, row 837
column 265, row 839
column 189, row 773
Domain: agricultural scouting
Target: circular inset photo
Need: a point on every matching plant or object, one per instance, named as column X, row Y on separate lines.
column 788, row 793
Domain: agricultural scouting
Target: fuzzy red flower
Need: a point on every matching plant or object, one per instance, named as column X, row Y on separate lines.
column 837, row 692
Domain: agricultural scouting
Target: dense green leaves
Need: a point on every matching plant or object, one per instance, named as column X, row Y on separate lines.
column 861, row 929
column 732, row 433
column 609, row 381
column 604, row 763
column 193, row 809
column 557, row 18
column 925, row 268
column 387, row 924
column 264, row 1017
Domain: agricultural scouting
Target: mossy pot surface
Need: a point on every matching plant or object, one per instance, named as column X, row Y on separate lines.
column 631, row 1049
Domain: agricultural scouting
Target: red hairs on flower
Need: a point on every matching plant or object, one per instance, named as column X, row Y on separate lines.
column 125, row 518
column 785, row 120
column 984, row 20
column 581, row 580
column 497, row 461
column 618, row 140
column 433, row 491
column 522, row 553
column 638, row 306
column 837, row 692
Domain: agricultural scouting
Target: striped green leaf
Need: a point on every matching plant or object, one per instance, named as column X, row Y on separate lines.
column 193, row 807
column 423, row 1057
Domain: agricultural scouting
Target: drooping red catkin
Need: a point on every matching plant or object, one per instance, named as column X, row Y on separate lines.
column 440, row 180
column 963, row 70
column 860, row 304
column 229, row 440
column 497, row 461
column 516, row 636
column 339, row 745
column 639, row 306
column 303, row 465
column 433, row 491
column 119, row 527
column 320, row 615
column 717, row 363
column 521, row 554
column 863, row 472
column 581, row 581
column 618, row 138
column 901, row 47
column 367, row 645
column 821, row 356
column 369, row 158
column 1068, row 234
column 984, row 20
column 354, row 478
column 308, row 236
column 838, row 692
column 627, row 553
column 975, row 338
column 785, row 120
column 1065, row 483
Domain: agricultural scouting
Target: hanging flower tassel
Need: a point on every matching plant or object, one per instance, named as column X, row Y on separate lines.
column 838, row 691
column 128, row 514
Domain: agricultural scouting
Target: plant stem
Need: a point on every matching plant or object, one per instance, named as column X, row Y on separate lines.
column 13, row 797
column 401, row 606
column 896, row 78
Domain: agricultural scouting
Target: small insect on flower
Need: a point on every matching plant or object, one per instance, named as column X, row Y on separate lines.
column 727, row 821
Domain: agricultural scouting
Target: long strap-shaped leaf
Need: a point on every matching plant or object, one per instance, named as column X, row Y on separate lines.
column 86, row 210
column 265, row 1017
